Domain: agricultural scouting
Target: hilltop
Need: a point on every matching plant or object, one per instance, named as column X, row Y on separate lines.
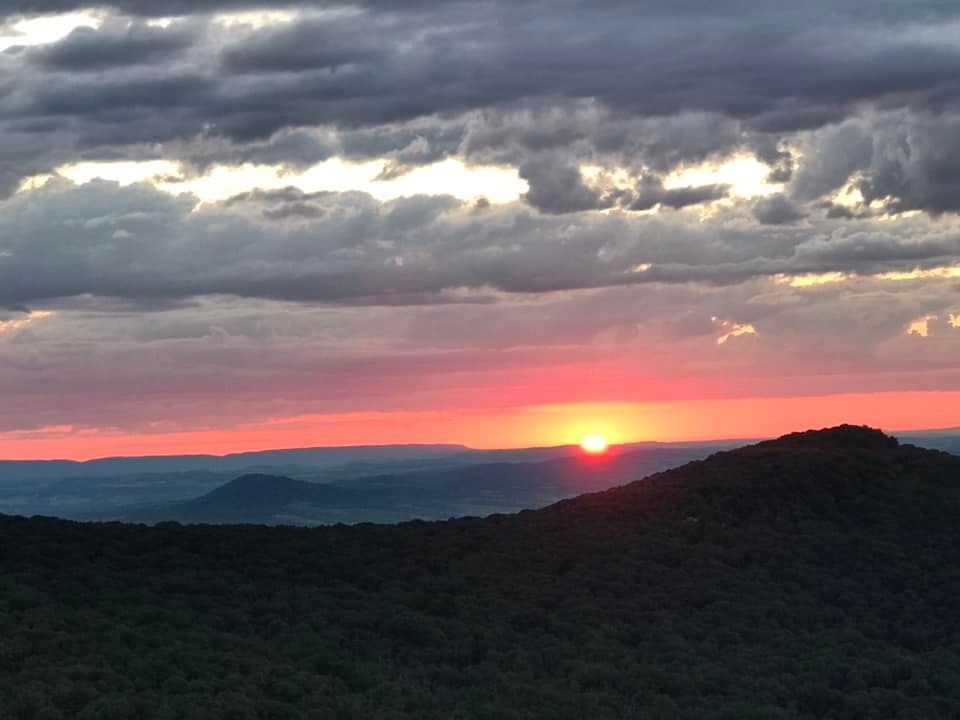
column 813, row 576
column 250, row 498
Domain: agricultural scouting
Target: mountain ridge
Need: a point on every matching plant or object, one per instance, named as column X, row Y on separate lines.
column 438, row 494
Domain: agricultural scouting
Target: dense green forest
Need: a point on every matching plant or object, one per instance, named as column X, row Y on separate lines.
column 816, row 576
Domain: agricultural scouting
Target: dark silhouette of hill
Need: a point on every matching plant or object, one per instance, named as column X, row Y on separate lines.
column 263, row 490
column 842, row 437
column 435, row 494
column 816, row 576
column 252, row 498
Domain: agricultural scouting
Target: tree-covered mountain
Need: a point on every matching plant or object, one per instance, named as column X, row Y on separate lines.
column 815, row 576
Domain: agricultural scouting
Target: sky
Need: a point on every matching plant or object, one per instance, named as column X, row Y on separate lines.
column 242, row 224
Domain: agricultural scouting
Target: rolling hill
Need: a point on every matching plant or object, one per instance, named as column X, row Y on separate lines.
column 109, row 489
column 431, row 494
column 252, row 498
column 814, row 576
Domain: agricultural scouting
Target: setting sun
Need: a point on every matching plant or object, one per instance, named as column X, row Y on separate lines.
column 594, row 444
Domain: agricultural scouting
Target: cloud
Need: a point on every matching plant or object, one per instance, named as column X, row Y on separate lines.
column 651, row 192
column 791, row 171
column 915, row 163
column 556, row 186
column 701, row 81
column 14, row 325
column 833, row 156
column 96, row 50
column 334, row 44
column 730, row 329
column 136, row 242
column 100, row 364
column 777, row 210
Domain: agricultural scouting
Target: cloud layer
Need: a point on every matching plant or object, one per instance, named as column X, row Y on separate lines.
column 705, row 200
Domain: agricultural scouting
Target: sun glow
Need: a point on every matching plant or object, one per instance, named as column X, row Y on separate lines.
column 594, row 444
column 45, row 29
column 221, row 182
column 746, row 175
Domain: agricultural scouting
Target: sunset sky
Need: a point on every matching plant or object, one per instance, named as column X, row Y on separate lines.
column 503, row 223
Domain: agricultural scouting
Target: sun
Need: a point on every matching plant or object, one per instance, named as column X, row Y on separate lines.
column 594, row 444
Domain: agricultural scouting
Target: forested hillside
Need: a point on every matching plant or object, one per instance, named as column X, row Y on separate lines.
column 816, row 576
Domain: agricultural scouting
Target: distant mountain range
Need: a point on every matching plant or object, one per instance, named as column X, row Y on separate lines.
column 946, row 440
column 814, row 576
column 390, row 483
column 430, row 494
column 13, row 470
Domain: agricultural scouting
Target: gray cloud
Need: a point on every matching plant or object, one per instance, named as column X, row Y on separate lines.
column 900, row 160
column 137, row 243
column 335, row 302
column 777, row 210
column 915, row 164
column 138, row 7
column 717, row 77
column 86, row 49
column 836, row 153
column 286, row 359
column 556, row 186
column 328, row 44
column 651, row 193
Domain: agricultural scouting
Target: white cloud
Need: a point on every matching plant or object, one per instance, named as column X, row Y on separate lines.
column 46, row 29
column 220, row 182
column 746, row 176
column 921, row 326
column 8, row 327
column 732, row 330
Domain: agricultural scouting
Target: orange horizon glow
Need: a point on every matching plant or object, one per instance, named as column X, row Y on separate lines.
column 538, row 425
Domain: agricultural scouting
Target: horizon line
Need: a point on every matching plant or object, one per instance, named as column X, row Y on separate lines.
column 462, row 446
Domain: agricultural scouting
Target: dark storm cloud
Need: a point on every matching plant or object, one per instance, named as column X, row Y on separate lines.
column 464, row 57
column 99, row 50
column 916, row 165
column 145, row 8
column 394, row 62
column 890, row 10
column 113, row 98
column 644, row 86
column 897, row 160
column 313, row 45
